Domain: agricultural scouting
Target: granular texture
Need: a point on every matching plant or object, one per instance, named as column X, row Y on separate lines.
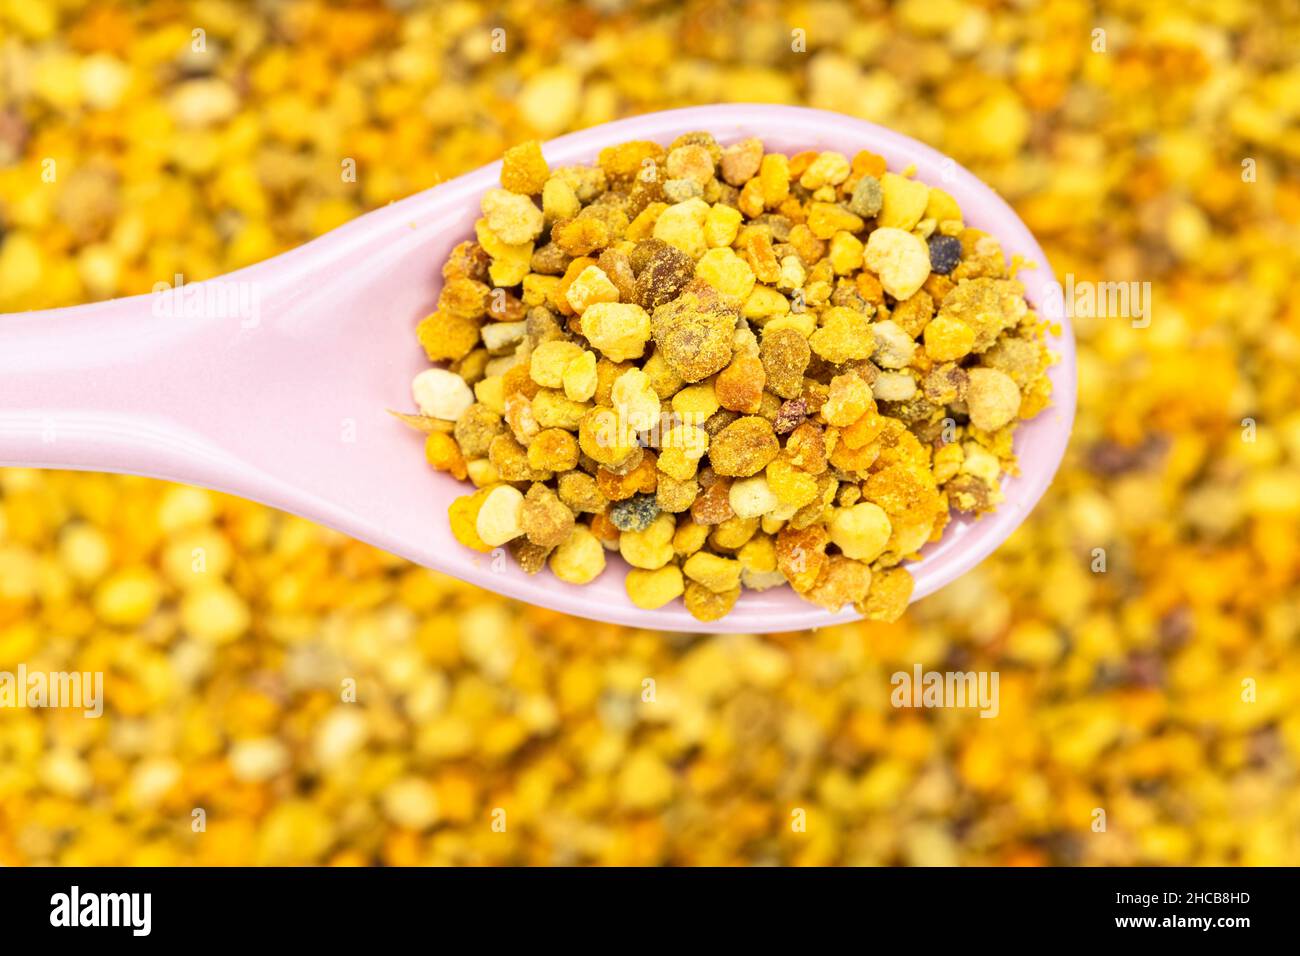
column 1155, row 583
column 812, row 351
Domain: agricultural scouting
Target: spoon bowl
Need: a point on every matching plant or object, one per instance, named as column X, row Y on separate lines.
column 273, row 382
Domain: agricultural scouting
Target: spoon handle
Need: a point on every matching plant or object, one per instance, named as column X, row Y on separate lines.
column 100, row 387
column 62, row 379
column 177, row 383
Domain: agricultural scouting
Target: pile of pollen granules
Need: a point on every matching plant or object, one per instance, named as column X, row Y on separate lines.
column 735, row 368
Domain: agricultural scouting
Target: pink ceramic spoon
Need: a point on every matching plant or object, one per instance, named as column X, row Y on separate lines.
column 276, row 388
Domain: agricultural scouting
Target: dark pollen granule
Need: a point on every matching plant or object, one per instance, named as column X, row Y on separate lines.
column 635, row 513
column 664, row 271
column 790, row 416
column 945, row 254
